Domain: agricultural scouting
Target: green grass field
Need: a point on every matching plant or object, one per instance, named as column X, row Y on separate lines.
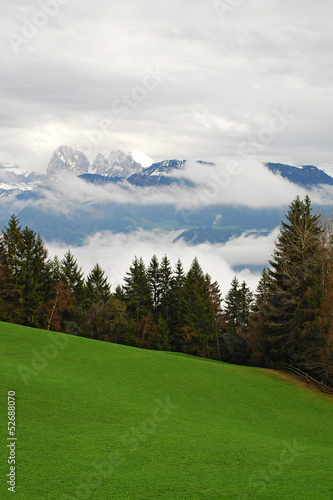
column 105, row 421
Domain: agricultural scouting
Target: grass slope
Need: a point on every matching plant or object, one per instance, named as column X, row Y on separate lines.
column 105, row 421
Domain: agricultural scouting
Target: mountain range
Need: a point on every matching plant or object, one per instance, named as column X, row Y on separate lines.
column 42, row 202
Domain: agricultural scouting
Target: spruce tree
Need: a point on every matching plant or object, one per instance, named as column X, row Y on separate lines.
column 198, row 314
column 153, row 275
column 97, row 286
column 237, row 310
column 296, row 288
column 176, row 311
column 259, row 320
column 137, row 290
column 72, row 277
column 165, row 289
column 11, row 250
column 218, row 323
column 232, row 308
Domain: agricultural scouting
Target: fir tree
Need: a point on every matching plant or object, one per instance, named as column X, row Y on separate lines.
column 137, row 290
column 153, row 275
column 97, row 286
column 165, row 289
column 176, row 311
column 237, row 310
column 198, row 314
column 296, row 289
column 72, row 275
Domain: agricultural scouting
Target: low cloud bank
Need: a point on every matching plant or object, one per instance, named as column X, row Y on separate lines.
column 229, row 182
column 115, row 252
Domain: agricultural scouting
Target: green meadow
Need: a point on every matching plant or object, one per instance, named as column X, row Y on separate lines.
column 105, row 421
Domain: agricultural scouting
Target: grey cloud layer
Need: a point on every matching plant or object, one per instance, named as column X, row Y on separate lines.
column 226, row 75
column 230, row 181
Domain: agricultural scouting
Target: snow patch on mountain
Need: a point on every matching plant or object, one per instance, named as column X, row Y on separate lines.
column 12, row 178
column 141, row 158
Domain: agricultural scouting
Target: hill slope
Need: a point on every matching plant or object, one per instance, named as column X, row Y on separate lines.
column 105, row 421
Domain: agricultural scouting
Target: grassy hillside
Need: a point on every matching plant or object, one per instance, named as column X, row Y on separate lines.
column 104, row 421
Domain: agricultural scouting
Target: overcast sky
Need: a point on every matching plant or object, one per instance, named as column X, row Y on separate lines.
column 174, row 79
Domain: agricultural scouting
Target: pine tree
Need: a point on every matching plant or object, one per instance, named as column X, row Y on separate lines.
column 198, row 314
column 176, row 311
column 137, row 290
column 218, row 323
column 26, row 273
column 97, row 286
column 259, row 321
column 72, row 277
column 35, row 275
column 296, row 289
column 319, row 355
column 165, row 289
column 11, row 249
column 232, row 308
column 153, row 275
column 237, row 310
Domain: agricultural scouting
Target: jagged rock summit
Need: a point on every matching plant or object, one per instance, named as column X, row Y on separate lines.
column 117, row 164
column 67, row 159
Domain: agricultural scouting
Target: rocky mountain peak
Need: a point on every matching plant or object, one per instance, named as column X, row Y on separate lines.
column 67, row 159
column 117, row 164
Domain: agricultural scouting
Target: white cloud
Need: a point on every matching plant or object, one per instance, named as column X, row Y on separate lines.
column 230, row 181
column 225, row 79
column 115, row 252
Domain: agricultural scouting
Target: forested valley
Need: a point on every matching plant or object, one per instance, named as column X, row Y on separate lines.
column 288, row 319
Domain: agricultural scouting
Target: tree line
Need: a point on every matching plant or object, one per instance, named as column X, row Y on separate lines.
column 287, row 320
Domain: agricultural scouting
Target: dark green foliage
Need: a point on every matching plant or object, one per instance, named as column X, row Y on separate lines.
column 238, row 304
column 161, row 341
column 259, row 321
column 176, row 311
column 288, row 320
column 296, row 285
column 198, row 313
column 97, row 286
column 107, row 321
column 137, row 291
column 25, row 272
column 153, row 275
column 237, row 312
column 165, row 280
column 218, row 318
column 72, row 276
